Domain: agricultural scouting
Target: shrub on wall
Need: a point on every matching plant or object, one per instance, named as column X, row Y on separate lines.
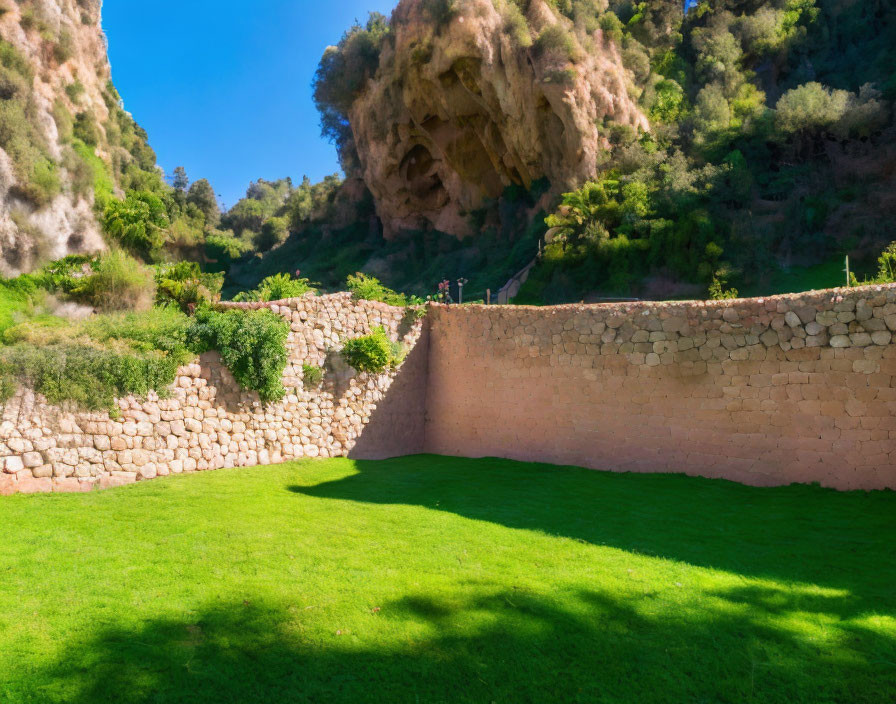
column 88, row 376
column 277, row 288
column 95, row 360
column 186, row 286
column 374, row 352
column 368, row 288
column 311, row 375
column 252, row 344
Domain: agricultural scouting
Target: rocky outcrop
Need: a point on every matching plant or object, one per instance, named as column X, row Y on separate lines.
column 461, row 108
column 55, row 66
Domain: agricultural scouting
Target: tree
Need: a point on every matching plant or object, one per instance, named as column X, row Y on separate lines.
column 342, row 74
column 179, row 180
column 273, row 232
column 248, row 214
column 810, row 108
column 579, row 216
column 202, row 195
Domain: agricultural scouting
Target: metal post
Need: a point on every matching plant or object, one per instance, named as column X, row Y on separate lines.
column 847, row 271
column 460, row 291
column 488, row 296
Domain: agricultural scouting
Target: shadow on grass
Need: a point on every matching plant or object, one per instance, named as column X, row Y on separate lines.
column 796, row 533
column 497, row 647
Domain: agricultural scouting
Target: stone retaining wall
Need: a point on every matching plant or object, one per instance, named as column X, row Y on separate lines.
column 208, row 422
column 795, row 388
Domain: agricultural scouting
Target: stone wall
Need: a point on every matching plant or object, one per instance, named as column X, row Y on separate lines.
column 765, row 391
column 797, row 388
column 208, row 422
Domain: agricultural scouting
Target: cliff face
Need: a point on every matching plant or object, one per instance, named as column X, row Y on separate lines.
column 464, row 106
column 57, row 105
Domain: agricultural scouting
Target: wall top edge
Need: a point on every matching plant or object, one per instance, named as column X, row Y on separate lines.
column 770, row 303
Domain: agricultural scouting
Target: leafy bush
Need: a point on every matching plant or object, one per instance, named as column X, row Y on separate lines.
column 277, row 288
column 222, row 249
column 101, row 179
column 185, row 285
column 373, row 353
column 86, row 129
column 311, row 375
column 273, row 232
column 718, row 292
column 515, row 24
column 117, row 282
column 64, row 48
column 368, row 288
column 89, row 376
column 36, row 174
column 252, row 344
column 157, row 329
column 63, row 275
column 556, row 41
column 202, row 195
column 137, row 222
column 74, row 91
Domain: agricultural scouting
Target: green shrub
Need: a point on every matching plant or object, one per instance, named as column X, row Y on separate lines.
column 277, row 288
column 64, row 48
column 186, row 286
column 86, row 129
column 11, row 58
column 611, row 26
column 117, row 282
column 515, row 24
column 373, row 353
column 252, row 344
column 555, row 40
column 718, row 292
column 157, row 329
column 222, row 249
column 37, row 175
column 101, row 179
column 88, row 376
column 368, row 288
column 74, row 91
column 63, row 275
column 137, row 222
column 311, row 375
column 273, row 232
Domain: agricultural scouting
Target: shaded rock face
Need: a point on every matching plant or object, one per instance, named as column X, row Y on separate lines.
column 67, row 224
column 459, row 112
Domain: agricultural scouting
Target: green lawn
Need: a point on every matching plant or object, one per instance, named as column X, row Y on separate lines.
column 429, row 579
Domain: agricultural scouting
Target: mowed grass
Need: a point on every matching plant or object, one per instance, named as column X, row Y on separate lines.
column 429, row 579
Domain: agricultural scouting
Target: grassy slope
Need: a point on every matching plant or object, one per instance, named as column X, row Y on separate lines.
column 431, row 579
column 12, row 303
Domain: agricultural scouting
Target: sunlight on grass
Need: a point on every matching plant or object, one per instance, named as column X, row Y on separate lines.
column 438, row 579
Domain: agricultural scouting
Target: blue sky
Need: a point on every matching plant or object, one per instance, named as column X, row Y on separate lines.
column 223, row 87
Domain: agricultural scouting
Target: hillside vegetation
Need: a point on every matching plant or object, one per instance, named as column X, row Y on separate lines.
column 770, row 153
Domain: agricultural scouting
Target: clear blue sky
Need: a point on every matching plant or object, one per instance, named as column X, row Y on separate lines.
column 223, row 87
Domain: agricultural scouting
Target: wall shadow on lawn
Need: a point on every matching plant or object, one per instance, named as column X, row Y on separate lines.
column 796, row 533
column 503, row 646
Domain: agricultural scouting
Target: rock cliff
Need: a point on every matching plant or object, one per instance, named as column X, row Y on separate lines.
column 61, row 130
column 477, row 97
